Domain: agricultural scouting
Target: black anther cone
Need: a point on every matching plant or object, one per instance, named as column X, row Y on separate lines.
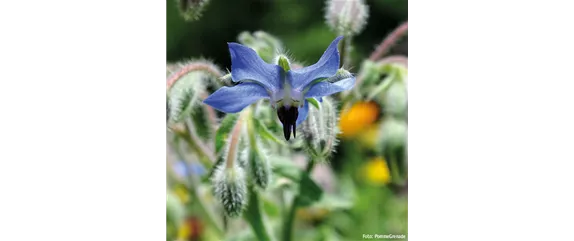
column 288, row 116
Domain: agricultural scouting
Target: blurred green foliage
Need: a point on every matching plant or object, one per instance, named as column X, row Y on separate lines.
column 298, row 23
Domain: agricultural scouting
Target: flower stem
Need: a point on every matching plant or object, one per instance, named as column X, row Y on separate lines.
column 253, row 214
column 290, row 220
column 193, row 66
column 389, row 41
column 234, row 143
column 346, row 52
column 204, row 154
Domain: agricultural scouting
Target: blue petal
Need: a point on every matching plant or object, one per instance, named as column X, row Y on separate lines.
column 197, row 169
column 234, row 99
column 180, row 168
column 247, row 65
column 325, row 88
column 326, row 67
column 303, row 112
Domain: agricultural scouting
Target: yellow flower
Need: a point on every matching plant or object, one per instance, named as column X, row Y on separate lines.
column 182, row 193
column 184, row 232
column 191, row 229
column 376, row 171
column 357, row 118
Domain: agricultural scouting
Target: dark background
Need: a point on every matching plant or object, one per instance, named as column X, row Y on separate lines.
column 298, row 23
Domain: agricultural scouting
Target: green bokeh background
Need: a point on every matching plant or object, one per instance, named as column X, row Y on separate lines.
column 298, row 23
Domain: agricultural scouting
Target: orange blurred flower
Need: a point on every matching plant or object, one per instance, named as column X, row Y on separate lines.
column 358, row 118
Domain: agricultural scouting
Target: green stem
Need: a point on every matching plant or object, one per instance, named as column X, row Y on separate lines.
column 290, row 220
column 346, row 52
column 395, row 176
column 194, row 143
column 253, row 214
column 383, row 86
column 254, row 217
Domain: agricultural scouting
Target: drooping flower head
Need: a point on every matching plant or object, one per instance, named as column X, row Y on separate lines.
column 287, row 89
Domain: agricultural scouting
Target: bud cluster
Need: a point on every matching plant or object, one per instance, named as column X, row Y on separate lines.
column 266, row 45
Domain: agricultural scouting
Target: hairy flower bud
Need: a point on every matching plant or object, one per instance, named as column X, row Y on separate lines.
column 283, row 61
column 394, row 145
column 396, row 96
column 347, row 17
column 396, row 100
column 370, row 71
column 263, row 43
column 259, row 166
column 229, row 179
column 230, row 188
column 183, row 97
column 320, row 129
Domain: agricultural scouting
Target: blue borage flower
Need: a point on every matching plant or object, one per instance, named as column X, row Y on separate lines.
column 183, row 169
column 287, row 89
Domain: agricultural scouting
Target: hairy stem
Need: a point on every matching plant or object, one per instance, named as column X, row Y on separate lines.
column 346, row 52
column 203, row 152
column 193, row 66
column 389, row 41
column 234, row 143
column 394, row 59
column 211, row 116
column 290, row 220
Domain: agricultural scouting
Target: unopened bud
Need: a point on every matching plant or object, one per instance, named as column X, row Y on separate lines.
column 229, row 179
column 370, row 72
column 259, row 167
column 230, row 188
column 263, row 43
column 191, row 10
column 396, row 100
column 271, row 41
column 320, row 129
column 183, row 95
column 283, row 61
column 347, row 17
column 393, row 135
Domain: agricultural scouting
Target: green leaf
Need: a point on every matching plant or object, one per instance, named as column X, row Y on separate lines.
column 309, row 191
column 286, row 169
column 221, row 135
column 333, row 202
column 270, row 207
column 265, row 133
column 314, row 102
